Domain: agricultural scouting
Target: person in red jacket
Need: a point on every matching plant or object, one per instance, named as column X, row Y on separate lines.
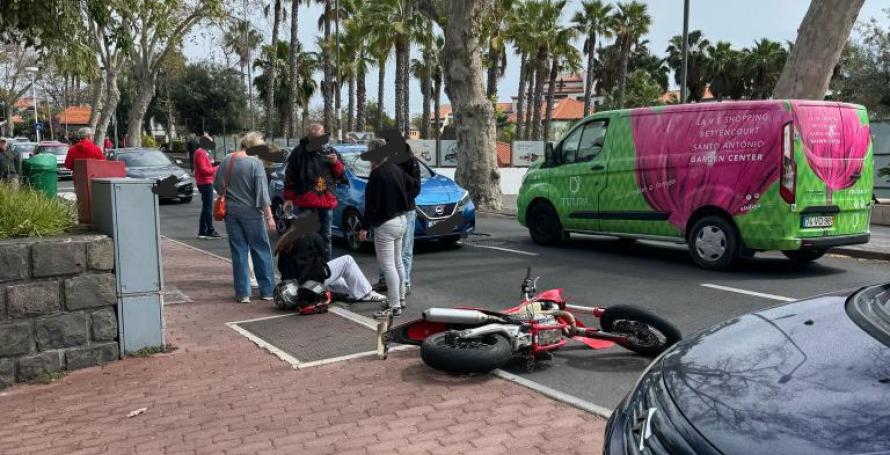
column 108, row 145
column 312, row 169
column 84, row 149
column 204, row 174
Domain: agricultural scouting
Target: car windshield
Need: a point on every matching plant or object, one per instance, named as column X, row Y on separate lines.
column 54, row 149
column 144, row 158
column 362, row 169
column 26, row 148
column 870, row 309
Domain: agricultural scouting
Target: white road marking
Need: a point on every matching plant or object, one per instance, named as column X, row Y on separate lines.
column 266, row 345
column 193, row 248
column 746, row 292
column 570, row 400
column 354, row 317
column 508, row 250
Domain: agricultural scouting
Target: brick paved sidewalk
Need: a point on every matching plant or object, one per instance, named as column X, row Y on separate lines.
column 220, row 393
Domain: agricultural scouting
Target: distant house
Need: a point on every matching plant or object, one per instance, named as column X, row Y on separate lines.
column 673, row 96
column 73, row 118
column 566, row 111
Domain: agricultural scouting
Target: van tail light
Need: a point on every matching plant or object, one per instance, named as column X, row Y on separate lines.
column 788, row 178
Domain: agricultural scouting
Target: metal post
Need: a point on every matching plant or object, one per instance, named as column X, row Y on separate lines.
column 685, row 69
column 34, row 95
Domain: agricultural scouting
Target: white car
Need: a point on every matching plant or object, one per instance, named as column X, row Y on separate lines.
column 60, row 150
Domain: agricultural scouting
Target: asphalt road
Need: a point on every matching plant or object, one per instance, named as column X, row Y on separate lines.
column 486, row 271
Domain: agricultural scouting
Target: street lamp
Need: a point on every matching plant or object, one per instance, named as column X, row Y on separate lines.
column 33, row 70
column 685, row 70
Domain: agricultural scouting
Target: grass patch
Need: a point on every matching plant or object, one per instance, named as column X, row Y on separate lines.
column 28, row 213
column 152, row 350
column 46, row 378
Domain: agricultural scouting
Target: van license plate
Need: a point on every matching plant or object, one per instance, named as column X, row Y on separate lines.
column 817, row 222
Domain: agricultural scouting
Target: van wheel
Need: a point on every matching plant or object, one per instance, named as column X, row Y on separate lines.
column 544, row 226
column 804, row 256
column 713, row 243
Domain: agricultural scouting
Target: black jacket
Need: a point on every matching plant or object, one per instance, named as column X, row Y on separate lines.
column 387, row 194
column 412, row 168
column 310, row 178
column 305, row 260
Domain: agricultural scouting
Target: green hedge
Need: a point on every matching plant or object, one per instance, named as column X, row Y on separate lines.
column 28, row 213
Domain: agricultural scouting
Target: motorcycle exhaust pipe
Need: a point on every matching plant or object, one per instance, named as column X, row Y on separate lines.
column 457, row 316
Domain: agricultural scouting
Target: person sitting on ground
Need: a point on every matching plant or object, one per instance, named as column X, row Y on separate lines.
column 301, row 258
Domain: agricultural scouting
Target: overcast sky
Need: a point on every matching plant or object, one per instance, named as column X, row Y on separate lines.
column 740, row 22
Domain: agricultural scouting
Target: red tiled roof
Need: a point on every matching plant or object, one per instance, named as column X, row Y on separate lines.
column 673, row 96
column 24, row 103
column 506, row 106
column 445, row 109
column 75, row 115
column 565, row 109
column 504, row 150
column 17, row 119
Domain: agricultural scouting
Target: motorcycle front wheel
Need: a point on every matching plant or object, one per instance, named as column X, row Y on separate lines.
column 447, row 352
column 645, row 332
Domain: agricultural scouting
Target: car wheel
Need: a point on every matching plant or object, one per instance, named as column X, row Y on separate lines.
column 185, row 200
column 543, row 224
column 281, row 223
column 713, row 243
column 352, row 224
column 804, row 256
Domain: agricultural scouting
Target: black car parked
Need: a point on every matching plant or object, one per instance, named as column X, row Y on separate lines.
column 811, row 377
column 149, row 163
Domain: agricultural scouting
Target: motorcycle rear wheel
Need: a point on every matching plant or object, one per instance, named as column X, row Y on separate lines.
column 445, row 352
column 646, row 333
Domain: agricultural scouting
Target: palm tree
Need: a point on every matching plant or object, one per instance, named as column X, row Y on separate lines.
column 497, row 26
column 241, row 38
column 522, row 45
column 423, row 69
column 726, row 71
column 401, row 19
column 697, row 76
column 273, row 69
column 354, row 46
column 765, row 61
column 273, row 60
column 307, row 64
column 380, row 43
column 541, row 24
column 335, row 12
column 563, row 57
column 292, row 87
column 436, row 75
column 631, row 21
column 594, row 19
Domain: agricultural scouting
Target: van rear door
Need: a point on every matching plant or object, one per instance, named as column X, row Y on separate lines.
column 831, row 157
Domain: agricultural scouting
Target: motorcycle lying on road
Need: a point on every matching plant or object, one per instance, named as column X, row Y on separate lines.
column 476, row 340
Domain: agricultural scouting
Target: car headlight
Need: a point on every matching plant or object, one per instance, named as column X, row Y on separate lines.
column 464, row 200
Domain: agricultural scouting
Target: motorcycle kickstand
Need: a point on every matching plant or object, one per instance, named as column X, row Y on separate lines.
column 382, row 337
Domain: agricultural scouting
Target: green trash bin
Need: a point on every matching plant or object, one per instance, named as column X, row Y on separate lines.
column 40, row 173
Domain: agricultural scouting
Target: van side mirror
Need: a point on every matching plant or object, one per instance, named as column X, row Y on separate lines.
column 548, row 153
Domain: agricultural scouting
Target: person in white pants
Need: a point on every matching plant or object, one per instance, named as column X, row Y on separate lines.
column 347, row 278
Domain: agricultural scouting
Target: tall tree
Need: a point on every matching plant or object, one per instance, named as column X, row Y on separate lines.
column 422, row 70
column 355, row 46
column 594, row 20
column 523, row 46
column 436, row 75
column 564, row 57
column 820, row 40
column 294, row 81
column 764, row 62
column 697, row 76
column 327, row 84
column 14, row 80
column 243, row 39
column 497, row 28
column 631, row 21
column 157, row 27
column 477, row 168
column 726, row 71
column 401, row 18
column 380, row 43
column 273, row 71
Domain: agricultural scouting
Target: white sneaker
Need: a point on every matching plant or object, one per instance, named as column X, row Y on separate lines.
column 373, row 296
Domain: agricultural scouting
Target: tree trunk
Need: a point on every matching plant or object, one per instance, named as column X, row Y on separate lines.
column 426, row 89
column 97, row 94
column 381, row 73
column 477, row 168
column 350, row 114
column 540, row 74
column 145, row 91
column 361, row 93
column 401, row 84
column 10, row 126
column 294, row 80
column 588, row 80
column 554, row 69
column 437, row 95
column 112, row 96
column 622, row 71
column 327, row 84
column 820, row 39
column 492, row 90
column 529, row 99
column 273, row 72
column 520, row 100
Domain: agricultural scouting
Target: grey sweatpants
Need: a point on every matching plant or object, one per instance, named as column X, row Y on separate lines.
column 388, row 246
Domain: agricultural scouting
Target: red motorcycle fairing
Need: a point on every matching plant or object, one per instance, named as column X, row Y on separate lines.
column 551, row 295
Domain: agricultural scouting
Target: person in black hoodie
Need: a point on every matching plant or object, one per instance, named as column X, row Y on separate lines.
column 411, row 167
column 386, row 201
column 312, row 170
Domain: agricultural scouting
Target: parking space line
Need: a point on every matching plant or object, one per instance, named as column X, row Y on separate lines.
column 746, row 292
column 508, row 250
column 563, row 397
column 293, row 361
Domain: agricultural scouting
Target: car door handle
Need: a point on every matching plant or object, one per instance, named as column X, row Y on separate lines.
column 597, row 167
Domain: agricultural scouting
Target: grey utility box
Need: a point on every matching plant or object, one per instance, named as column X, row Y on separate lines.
column 127, row 210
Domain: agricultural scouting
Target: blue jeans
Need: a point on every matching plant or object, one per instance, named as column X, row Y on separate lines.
column 248, row 235
column 407, row 247
column 205, row 223
column 324, row 219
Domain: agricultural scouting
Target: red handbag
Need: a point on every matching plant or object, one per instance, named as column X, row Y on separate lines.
column 219, row 205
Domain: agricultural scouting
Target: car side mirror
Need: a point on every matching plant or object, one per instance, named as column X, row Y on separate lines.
column 548, row 154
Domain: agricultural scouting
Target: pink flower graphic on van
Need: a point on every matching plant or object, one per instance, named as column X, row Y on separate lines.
column 835, row 143
column 717, row 156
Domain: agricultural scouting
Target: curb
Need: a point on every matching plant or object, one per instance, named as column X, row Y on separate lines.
column 861, row 254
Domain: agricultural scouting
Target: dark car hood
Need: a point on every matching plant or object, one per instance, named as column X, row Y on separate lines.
column 797, row 379
column 154, row 172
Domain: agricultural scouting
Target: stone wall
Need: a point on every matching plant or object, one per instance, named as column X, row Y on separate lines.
column 57, row 305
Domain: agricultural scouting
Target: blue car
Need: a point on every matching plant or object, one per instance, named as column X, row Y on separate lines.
column 439, row 198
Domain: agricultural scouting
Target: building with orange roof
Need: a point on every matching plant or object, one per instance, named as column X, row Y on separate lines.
column 504, row 152
column 75, row 116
